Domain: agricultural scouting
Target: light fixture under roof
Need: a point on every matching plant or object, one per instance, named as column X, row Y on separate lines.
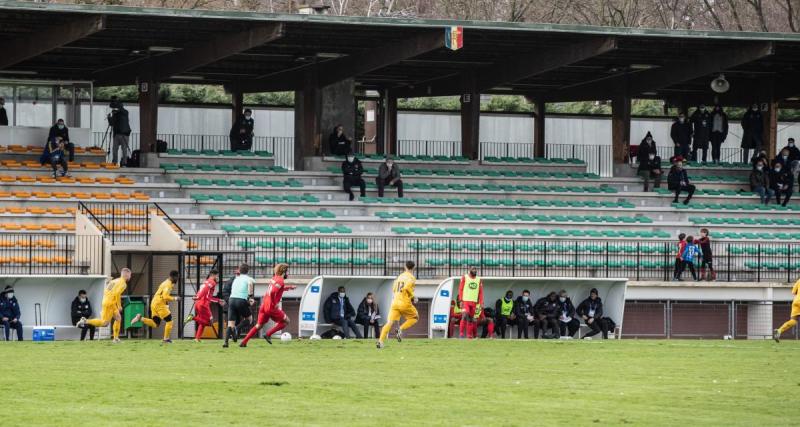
column 641, row 66
column 161, row 49
column 19, row 72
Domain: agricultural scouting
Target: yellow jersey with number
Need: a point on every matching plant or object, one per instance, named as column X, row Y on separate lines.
column 112, row 294
column 403, row 289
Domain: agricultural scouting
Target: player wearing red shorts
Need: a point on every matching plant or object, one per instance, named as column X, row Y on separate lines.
column 470, row 293
column 202, row 305
column 269, row 306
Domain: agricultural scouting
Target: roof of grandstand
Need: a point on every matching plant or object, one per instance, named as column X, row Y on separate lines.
column 255, row 52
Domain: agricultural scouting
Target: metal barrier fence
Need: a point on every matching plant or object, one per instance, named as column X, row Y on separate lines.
column 598, row 158
column 506, row 149
column 418, row 147
column 435, row 258
column 128, row 223
column 51, row 253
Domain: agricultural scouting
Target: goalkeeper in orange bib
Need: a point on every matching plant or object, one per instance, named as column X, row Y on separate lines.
column 470, row 293
column 112, row 304
column 792, row 322
column 159, row 307
column 402, row 304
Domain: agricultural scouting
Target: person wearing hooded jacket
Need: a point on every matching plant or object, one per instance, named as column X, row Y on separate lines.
column 759, row 182
column 10, row 313
column 649, row 162
column 546, row 317
column 719, row 132
column 523, row 310
column 752, row 131
column 568, row 319
column 591, row 311
column 351, row 176
column 681, row 134
column 701, row 132
column 338, row 143
column 81, row 307
column 678, row 181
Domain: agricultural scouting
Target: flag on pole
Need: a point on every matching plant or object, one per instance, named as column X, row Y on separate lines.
column 454, row 38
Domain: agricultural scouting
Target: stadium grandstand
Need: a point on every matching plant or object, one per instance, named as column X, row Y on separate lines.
column 195, row 204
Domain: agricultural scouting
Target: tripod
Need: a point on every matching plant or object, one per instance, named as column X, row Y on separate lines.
column 107, row 137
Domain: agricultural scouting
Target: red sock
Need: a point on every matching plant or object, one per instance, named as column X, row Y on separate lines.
column 251, row 334
column 278, row 326
column 462, row 327
column 199, row 332
column 490, row 327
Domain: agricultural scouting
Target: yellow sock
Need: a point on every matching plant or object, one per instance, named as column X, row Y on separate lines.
column 385, row 331
column 95, row 322
column 788, row 325
column 117, row 326
column 149, row 322
column 408, row 323
column 167, row 329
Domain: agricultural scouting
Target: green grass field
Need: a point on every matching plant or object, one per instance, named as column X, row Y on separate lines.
column 417, row 382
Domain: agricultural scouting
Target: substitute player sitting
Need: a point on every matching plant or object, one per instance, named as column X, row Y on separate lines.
column 402, row 304
column 112, row 304
column 792, row 322
column 270, row 306
column 159, row 307
column 470, row 293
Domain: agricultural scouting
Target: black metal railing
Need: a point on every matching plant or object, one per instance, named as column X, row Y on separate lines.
column 51, row 253
column 420, row 147
column 440, row 257
column 204, row 142
column 506, row 149
column 127, row 223
column 162, row 213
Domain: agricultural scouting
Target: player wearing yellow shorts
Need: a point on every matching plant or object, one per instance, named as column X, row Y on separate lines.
column 112, row 304
column 402, row 304
column 159, row 307
column 793, row 317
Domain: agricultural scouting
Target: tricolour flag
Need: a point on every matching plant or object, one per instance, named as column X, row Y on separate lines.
column 454, row 38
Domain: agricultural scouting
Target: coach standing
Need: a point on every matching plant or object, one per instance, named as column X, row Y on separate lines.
column 118, row 120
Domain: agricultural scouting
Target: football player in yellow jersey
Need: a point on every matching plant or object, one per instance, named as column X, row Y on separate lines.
column 402, row 304
column 793, row 317
column 112, row 304
column 159, row 306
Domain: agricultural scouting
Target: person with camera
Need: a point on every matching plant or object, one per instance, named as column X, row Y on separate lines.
column 60, row 129
column 54, row 155
column 121, row 129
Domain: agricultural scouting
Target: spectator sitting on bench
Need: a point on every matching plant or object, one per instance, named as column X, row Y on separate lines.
column 369, row 315
column 60, row 129
column 54, row 155
column 455, row 318
column 504, row 313
column 547, row 312
column 10, row 313
column 591, row 311
column 81, row 307
column 523, row 310
column 678, row 180
column 352, row 171
column 567, row 319
column 339, row 311
column 389, row 174
column 759, row 182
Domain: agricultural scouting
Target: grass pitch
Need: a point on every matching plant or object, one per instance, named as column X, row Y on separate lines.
column 417, row 382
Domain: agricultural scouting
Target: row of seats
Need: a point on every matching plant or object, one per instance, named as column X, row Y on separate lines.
column 745, row 221
column 772, row 265
column 737, row 206
column 36, row 259
column 38, row 149
column 27, row 243
column 756, row 236
column 33, row 210
column 507, row 202
column 481, row 173
column 552, row 263
column 766, row 250
column 693, row 164
column 539, row 232
column 12, row 226
column 410, row 158
column 536, row 160
column 74, row 195
column 314, row 260
column 291, row 183
column 342, row 245
column 46, row 179
column 270, row 214
column 225, row 153
column 253, row 198
column 303, row 229
column 72, row 165
column 539, row 247
column 515, row 217
column 709, row 192
column 190, row 167
column 505, row 187
column 120, row 211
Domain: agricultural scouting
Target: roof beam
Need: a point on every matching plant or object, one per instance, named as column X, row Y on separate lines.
column 162, row 67
column 635, row 83
column 338, row 69
column 516, row 69
column 33, row 45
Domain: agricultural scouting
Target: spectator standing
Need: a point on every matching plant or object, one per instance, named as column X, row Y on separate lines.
column 242, row 132
column 10, row 313
column 719, row 132
column 60, row 129
column 679, row 256
column 352, row 171
column 690, row 255
column 3, row 112
column 547, row 311
column 389, row 174
column 707, row 266
column 781, row 182
column 523, row 310
column 681, row 134
column 678, row 181
column 340, row 312
column 339, row 143
column 701, row 132
column 504, row 313
column 591, row 311
column 81, row 307
column 753, row 129
column 369, row 315
column 759, row 183
column 121, row 128
column 567, row 319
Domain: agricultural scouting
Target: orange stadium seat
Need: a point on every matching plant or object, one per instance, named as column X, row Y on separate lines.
column 90, row 165
column 5, row 260
column 34, row 148
column 66, row 180
column 85, row 180
column 69, row 227
column 16, row 210
column 140, row 196
column 46, row 179
column 10, row 163
column 95, row 150
column 10, row 226
column 7, row 243
column 44, row 243
column 120, row 196
column 4, row 194
column 61, row 195
column 17, row 148
column 79, row 150
column 125, row 181
column 104, row 180
column 19, row 260
column 57, row 211
column 37, row 211
column 79, row 195
column 32, row 227
column 26, row 178
column 53, row 227
column 101, row 196
column 42, row 195
column 32, row 164
column 109, row 165
column 7, row 178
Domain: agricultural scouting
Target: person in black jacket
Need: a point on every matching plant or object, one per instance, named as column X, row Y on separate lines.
column 646, row 147
column 650, row 169
column 60, row 129
column 352, row 171
column 81, row 307
column 567, row 319
column 760, row 182
column 369, row 315
column 389, row 174
column 547, row 312
column 10, row 313
column 781, row 181
column 523, row 310
column 338, row 143
column 719, row 132
column 752, row 131
column 681, row 134
column 701, row 131
column 591, row 311
column 340, row 312
column 242, row 131
column 791, row 148
column 504, row 314
column 678, row 181
column 3, row 113
column 121, row 128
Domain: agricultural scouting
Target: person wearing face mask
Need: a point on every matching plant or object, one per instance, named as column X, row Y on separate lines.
column 567, row 319
column 369, row 316
column 781, row 182
column 752, row 131
column 389, row 174
column 523, row 310
column 678, row 181
column 794, row 152
column 339, row 143
column 470, row 295
column 242, row 131
column 340, row 312
column 10, row 313
column 271, row 305
column 701, row 132
column 53, row 154
column 681, row 134
column 759, row 183
column 504, row 313
column 81, row 307
column 3, row 113
column 719, row 132
column 60, row 129
column 649, row 163
column 352, row 171
column 591, row 311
